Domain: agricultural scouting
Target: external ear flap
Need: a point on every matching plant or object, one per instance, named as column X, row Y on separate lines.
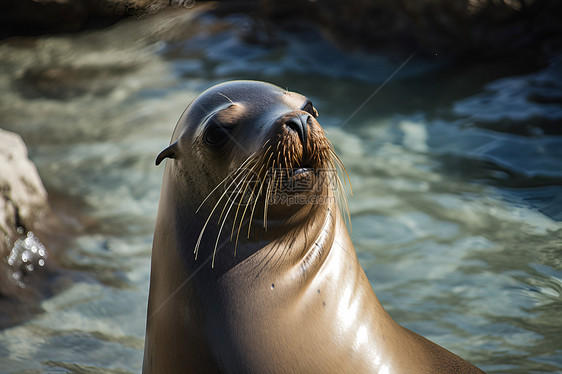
column 169, row 152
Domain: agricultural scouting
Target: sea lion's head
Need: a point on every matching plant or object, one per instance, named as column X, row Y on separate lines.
column 248, row 152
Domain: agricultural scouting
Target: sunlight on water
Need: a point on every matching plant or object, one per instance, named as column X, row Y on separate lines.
column 27, row 254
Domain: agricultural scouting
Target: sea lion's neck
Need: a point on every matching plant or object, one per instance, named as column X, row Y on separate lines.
column 316, row 240
column 293, row 243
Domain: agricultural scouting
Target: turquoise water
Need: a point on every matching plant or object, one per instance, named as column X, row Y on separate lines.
column 456, row 175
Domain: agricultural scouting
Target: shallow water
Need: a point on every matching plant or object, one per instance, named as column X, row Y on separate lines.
column 456, row 174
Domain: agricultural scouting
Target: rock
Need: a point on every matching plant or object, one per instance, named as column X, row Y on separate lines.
column 35, row 17
column 20, row 184
column 24, row 209
column 466, row 28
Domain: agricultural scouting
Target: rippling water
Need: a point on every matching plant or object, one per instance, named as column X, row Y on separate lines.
column 456, row 173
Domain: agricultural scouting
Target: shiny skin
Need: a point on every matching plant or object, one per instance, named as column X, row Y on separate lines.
column 294, row 298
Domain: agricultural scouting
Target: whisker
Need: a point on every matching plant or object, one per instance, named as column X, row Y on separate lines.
column 342, row 166
column 245, row 209
column 278, row 169
column 267, row 195
column 242, row 174
column 246, row 184
column 220, row 231
column 226, row 97
column 342, row 196
column 196, row 251
column 224, row 180
column 274, row 182
column 259, row 193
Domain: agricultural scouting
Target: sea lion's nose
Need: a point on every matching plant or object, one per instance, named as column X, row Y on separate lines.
column 299, row 123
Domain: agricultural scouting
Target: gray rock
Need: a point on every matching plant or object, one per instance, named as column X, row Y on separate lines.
column 24, row 209
column 21, row 191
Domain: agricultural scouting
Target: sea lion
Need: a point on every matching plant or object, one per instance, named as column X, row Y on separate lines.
column 253, row 270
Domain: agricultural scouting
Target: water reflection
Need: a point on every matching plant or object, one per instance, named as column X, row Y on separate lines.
column 27, row 254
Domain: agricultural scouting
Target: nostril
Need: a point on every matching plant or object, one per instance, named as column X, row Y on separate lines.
column 296, row 125
column 299, row 123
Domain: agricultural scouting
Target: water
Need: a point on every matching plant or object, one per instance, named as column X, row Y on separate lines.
column 456, row 177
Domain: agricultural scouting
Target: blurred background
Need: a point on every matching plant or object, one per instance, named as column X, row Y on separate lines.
column 447, row 115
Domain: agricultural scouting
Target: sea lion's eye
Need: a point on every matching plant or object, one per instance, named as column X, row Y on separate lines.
column 217, row 134
column 308, row 107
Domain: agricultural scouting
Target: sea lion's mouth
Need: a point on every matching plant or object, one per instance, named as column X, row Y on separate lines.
column 297, row 180
column 300, row 174
column 296, row 172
